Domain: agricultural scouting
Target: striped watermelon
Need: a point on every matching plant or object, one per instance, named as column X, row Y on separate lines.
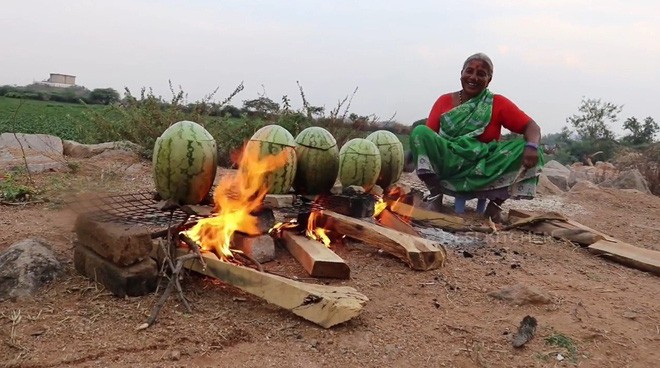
column 391, row 157
column 184, row 163
column 271, row 140
column 359, row 163
column 318, row 161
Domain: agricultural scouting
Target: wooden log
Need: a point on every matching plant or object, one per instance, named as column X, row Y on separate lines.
column 561, row 228
column 640, row 258
column 317, row 259
column 324, row 305
column 392, row 221
column 419, row 253
column 441, row 220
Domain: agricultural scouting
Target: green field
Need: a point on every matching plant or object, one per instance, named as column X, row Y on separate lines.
column 96, row 123
column 67, row 121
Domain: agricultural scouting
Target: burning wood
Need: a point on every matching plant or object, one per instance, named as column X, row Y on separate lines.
column 391, row 220
column 237, row 198
column 324, row 305
column 418, row 253
column 447, row 222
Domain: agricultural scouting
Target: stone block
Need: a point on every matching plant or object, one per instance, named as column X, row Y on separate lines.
column 278, row 200
column 261, row 247
column 121, row 244
column 138, row 279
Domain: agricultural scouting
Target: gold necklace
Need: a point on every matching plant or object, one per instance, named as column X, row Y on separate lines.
column 460, row 97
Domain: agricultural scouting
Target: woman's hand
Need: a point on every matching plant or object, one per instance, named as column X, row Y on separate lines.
column 530, row 157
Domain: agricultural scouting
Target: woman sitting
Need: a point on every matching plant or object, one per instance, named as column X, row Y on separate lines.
column 458, row 151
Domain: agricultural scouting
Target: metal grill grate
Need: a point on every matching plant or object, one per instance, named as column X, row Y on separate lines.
column 133, row 209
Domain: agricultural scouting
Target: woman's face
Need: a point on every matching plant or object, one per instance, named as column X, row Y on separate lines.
column 475, row 77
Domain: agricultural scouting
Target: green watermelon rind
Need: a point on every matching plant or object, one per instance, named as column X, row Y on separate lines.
column 184, row 163
column 274, row 133
column 359, row 163
column 281, row 180
column 318, row 161
column 391, row 156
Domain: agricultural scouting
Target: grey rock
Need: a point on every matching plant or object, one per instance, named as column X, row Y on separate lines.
column 79, row 150
column 630, row 179
column 25, row 267
column 42, row 152
column 520, row 294
column 557, row 173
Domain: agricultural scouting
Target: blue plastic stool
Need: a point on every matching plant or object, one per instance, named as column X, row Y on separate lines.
column 459, row 205
column 481, row 205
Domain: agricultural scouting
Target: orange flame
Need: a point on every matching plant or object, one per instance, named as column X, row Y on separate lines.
column 380, row 206
column 404, row 212
column 236, row 197
column 316, row 233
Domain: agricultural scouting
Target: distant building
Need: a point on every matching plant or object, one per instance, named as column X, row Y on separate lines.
column 60, row 80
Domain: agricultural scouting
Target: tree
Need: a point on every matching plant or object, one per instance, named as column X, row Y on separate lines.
column 592, row 122
column 640, row 133
column 261, row 105
column 103, row 96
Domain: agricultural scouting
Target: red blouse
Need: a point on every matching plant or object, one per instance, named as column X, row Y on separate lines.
column 505, row 114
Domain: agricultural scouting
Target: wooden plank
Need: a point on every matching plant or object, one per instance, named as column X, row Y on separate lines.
column 561, row 229
column 640, row 258
column 392, row 221
column 324, row 305
column 436, row 218
column 419, row 253
column 317, row 259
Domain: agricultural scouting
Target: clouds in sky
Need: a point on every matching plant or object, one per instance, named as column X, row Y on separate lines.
column 401, row 55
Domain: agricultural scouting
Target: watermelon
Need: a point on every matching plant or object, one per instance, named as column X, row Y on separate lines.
column 391, row 157
column 271, row 140
column 184, row 163
column 359, row 163
column 318, row 161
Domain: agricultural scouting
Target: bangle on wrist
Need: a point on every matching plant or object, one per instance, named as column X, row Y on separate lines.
column 532, row 145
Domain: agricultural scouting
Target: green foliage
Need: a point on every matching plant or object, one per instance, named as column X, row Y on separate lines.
column 592, row 122
column 11, row 190
column 562, row 341
column 103, row 96
column 262, row 106
column 641, row 133
column 65, row 120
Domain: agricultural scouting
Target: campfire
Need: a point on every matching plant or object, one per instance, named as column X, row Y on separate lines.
column 224, row 241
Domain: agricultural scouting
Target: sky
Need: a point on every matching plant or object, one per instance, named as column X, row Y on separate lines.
column 400, row 55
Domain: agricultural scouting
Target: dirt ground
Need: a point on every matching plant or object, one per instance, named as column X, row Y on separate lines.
column 602, row 314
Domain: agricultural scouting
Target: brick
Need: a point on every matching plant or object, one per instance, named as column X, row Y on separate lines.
column 121, row 244
column 260, row 247
column 136, row 280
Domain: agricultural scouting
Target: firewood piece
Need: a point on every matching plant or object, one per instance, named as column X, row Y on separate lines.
column 392, row 221
column 315, row 257
column 640, row 258
column 324, row 305
column 419, row 253
column 444, row 221
column 555, row 225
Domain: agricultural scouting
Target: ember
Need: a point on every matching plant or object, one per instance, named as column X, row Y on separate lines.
column 236, row 197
